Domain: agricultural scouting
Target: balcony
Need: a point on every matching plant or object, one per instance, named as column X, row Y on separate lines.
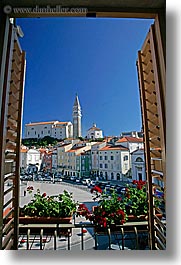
column 81, row 236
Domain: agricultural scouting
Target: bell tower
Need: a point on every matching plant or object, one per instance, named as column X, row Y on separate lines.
column 76, row 118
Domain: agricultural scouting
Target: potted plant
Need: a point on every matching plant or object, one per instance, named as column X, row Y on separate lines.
column 109, row 212
column 50, row 207
column 136, row 201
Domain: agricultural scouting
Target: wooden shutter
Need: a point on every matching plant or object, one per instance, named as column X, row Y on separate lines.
column 10, row 132
column 151, row 74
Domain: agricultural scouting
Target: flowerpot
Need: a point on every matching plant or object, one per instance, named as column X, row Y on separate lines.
column 47, row 220
column 140, row 218
column 44, row 220
column 134, row 218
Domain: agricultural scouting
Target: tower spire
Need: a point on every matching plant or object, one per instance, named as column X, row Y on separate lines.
column 76, row 118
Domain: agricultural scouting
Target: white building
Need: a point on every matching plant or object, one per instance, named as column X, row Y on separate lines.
column 138, row 165
column 56, row 129
column 132, row 143
column 30, row 158
column 132, row 134
column 94, row 132
column 113, row 162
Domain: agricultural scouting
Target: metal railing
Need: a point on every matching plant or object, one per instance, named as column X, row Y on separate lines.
column 83, row 236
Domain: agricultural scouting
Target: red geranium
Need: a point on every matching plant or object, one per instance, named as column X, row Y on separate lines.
column 109, row 210
column 96, row 189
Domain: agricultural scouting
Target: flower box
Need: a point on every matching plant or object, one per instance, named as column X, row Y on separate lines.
column 47, row 220
column 44, row 220
column 43, row 209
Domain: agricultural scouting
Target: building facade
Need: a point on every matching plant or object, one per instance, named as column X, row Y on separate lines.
column 138, row 165
column 94, row 132
column 113, row 162
column 30, row 159
column 132, row 143
column 83, row 164
column 56, row 129
column 95, row 157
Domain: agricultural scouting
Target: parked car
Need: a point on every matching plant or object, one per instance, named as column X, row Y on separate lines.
column 57, row 179
column 77, row 180
column 93, row 182
column 86, row 181
column 47, row 178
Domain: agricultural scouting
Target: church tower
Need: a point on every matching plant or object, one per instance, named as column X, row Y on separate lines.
column 76, row 119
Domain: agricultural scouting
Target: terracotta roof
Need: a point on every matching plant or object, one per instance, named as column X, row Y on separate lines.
column 116, row 147
column 41, row 123
column 24, row 150
column 94, row 129
column 130, row 139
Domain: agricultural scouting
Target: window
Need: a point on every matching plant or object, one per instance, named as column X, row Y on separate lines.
column 45, row 127
column 100, row 165
column 41, row 132
column 100, row 157
column 112, row 157
column 106, row 166
column 105, row 157
column 112, row 175
column 125, row 158
column 139, row 159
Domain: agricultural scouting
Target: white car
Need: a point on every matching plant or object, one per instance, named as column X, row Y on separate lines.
column 93, row 182
column 86, row 181
column 58, row 180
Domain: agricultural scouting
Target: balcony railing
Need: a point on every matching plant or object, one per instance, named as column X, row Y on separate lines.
column 83, row 236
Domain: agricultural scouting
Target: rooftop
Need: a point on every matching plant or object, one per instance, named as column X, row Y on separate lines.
column 110, row 148
column 130, row 139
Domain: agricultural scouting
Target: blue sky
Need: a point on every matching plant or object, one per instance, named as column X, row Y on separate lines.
column 95, row 58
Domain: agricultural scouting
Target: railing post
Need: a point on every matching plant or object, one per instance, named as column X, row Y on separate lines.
column 69, row 232
column 28, row 238
column 122, row 232
column 95, row 237
column 41, row 237
column 109, row 237
column 136, row 233
column 82, row 238
column 55, row 239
